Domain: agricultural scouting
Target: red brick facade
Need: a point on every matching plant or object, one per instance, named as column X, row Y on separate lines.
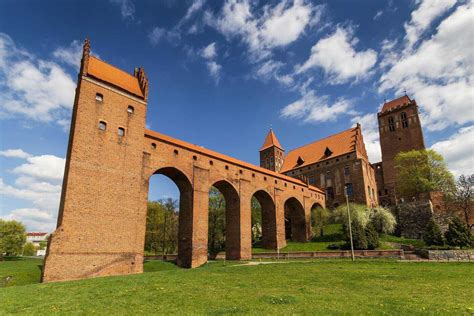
column 110, row 159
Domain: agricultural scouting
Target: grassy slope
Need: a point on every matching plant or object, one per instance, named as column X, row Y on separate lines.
column 368, row 286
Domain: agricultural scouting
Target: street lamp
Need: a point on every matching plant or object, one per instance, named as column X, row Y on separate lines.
column 349, row 222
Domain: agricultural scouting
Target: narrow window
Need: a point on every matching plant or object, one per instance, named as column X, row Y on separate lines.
column 328, row 175
column 99, row 97
column 102, row 125
column 121, row 131
column 153, row 146
column 391, row 124
column 349, row 189
column 130, row 109
column 330, row 193
column 346, row 170
column 404, row 118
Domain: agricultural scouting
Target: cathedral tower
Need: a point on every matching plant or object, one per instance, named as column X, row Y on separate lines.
column 271, row 153
column 400, row 131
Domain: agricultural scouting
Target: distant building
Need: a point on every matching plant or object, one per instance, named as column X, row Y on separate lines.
column 331, row 163
column 36, row 238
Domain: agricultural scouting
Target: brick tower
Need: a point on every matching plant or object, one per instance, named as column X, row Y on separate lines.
column 400, row 131
column 103, row 176
column 272, row 153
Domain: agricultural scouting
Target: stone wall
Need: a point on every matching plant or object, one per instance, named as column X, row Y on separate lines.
column 454, row 255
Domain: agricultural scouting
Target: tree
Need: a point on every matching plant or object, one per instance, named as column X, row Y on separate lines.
column 216, row 231
column 29, row 249
column 432, row 234
column 12, row 237
column 372, row 236
column 161, row 235
column 458, row 234
column 358, row 235
column 422, row 171
column 463, row 196
column 383, row 220
column 319, row 218
column 256, row 212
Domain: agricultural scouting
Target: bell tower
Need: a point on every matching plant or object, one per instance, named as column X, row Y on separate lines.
column 400, row 130
column 271, row 153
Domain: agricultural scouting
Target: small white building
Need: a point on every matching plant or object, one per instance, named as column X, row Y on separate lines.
column 36, row 237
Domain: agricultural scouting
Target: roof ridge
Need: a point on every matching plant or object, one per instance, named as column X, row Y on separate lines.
column 321, row 139
column 119, row 69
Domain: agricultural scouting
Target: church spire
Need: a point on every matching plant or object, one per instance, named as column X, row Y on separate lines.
column 271, row 153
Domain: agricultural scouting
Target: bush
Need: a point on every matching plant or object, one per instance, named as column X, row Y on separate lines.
column 432, row 235
column 29, row 249
column 383, row 220
column 372, row 236
column 358, row 235
column 359, row 213
column 458, row 234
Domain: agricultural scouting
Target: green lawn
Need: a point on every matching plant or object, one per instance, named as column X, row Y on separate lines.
column 303, row 287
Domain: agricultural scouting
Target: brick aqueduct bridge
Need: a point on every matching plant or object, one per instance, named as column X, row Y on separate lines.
column 110, row 159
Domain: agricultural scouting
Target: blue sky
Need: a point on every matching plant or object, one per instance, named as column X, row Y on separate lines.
column 222, row 72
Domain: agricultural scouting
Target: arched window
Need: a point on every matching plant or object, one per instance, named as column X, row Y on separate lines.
column 153, row 145
column 99, row 97
column 391, row 124
column 130, row 109
column 102, row 125
column 349, row 189
column 121, row 131
column 404, row 118
column 328, row 175
column 329, row 193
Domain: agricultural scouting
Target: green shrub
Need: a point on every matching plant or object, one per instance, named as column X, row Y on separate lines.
column 29, row 249
column 383, row 220
column 372, row 236
column 358, row 235
column 458, row 234
column 432, row 235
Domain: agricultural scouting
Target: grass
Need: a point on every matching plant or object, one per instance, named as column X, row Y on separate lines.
column 19, row 271
column 304, row 287
column 417, row 243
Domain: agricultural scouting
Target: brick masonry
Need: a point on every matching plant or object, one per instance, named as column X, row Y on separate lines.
column 102, row 215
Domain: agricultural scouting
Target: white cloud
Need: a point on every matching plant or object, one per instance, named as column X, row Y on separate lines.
column 43, row 167
column 70, row 55
column 14, row 153
column 215, row 70
column 37, row 89
column 39, row 184
column 156, row 35
column 458, row 151
column 370, row 132
column 313, row 108
column 439, row 73
column 423, row 16
column 337, row 56
column 277, row 26
column 272, row 69
column 34, row 219
column 127, row 8
column 193, row 8
column 378, row 15
column 209, row 52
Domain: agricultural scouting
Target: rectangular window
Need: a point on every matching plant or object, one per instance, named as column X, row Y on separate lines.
column 349, row 189
column 346, row 170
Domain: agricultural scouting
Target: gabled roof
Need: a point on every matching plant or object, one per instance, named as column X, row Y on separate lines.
column 103, row 71
column 388, row 106
column 327, row 148
column 271, row 140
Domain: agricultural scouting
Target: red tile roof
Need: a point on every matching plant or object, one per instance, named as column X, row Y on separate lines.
column 271, row 140
column 36, row 234
column 388, row 106
column 113, row 75
column 339, row 144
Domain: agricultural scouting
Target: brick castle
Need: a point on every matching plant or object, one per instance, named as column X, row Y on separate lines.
column 111, row 157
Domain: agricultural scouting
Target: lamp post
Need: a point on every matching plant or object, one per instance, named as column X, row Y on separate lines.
column 349, row 222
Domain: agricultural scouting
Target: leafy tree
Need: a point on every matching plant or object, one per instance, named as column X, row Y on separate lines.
column 422, row 171
column 458, row 234
column 360, row 213
column 161, row 235
column 372, row 236
column 463, row 196
column 29, row 249
column 256, row 212
column 432, row 234
column 358, row 235
column 216, row 232
column 383, row 220
column 319, row 218
column 12, row 237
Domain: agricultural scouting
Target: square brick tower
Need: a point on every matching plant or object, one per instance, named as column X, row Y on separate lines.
column 103, row 177
column 400, row 131
column 272, row 153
